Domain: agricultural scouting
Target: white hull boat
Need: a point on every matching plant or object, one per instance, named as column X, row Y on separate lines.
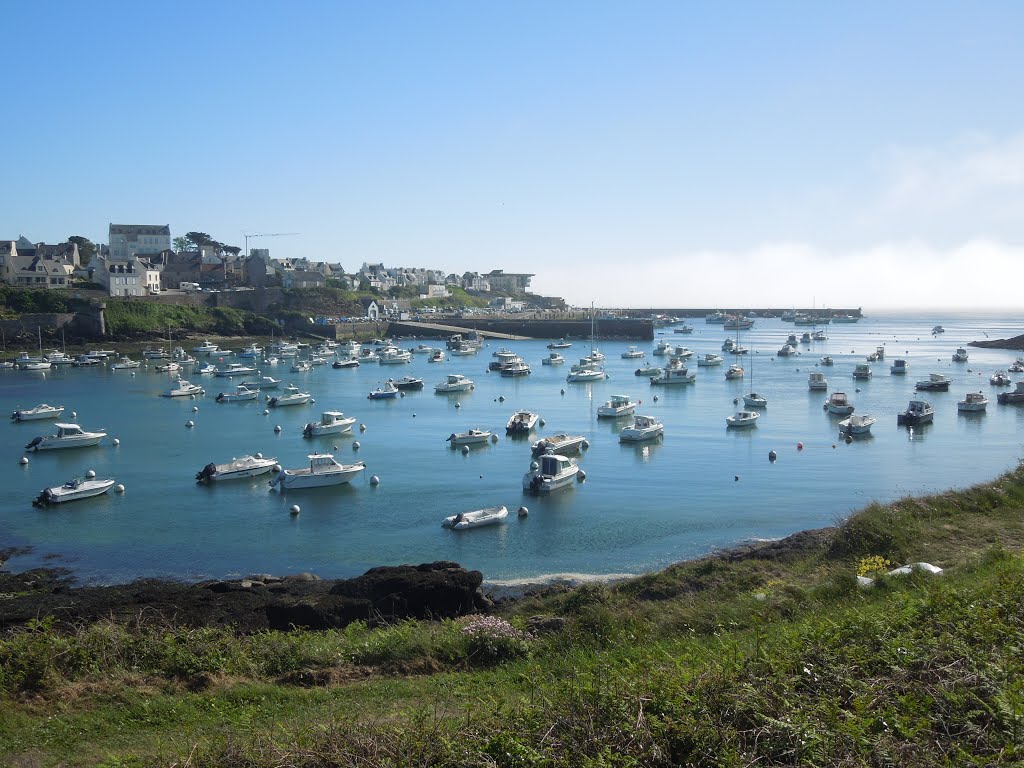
column 235, row 369
column 585, row 375
column 632, row 354
column 560, row 443
column 68, row 436
column 972, row 403
column 184, row 388
column 240, row 395
column 455, row 382
column 331, row 423
column 618, row 405
column 553, row 359
column 709, row 360
column 244, row 466
column 550, row 473
column 817, row 382
column 673, row 376
column 856, row 425
column 472, row 437
column 839, row 404
column 323, row 471
column 41, row 411
column 387, row 391
column 521, row 423
column 648, row 370
column 170, row 367
column 742, row 419
column 475, row 519
column 73, row 490
column 935, row 382
column 642, row 428
column 918, row 412
column 125, row 363
column 292, row 396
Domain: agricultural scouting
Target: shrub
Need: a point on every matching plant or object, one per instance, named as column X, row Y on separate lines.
column 490, row 640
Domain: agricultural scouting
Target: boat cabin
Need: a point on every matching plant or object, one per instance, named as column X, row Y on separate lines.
column 644, row 422
column 68, row 430
column 552, row 465
column 618, row 401
column 321, row 462
column 329, row 418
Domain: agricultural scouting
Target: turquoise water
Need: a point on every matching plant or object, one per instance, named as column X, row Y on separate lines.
column 641, row 507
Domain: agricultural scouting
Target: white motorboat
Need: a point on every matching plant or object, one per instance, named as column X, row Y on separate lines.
column 471, row 437
column 839, row 404
column 716, row 317
column 521, row 423
column 560, row 443
column 386, row 391
column 856, row 425
column 817, row 381
column 73, row 490
column 549, row 473
column 938, row 329
column 819, row 336
column 393, row 356
column 462, row 349
column 862, row 371
column 234, row 369
column 960, row 356
column 560, row 344
column 331, row 423
column 1017, row 366
column 728, row 345
column 709, row 360
column 348, row 362
column 616, row 406
column 642, row 428
column 662, row 348
column 632, row 354
column 735, row 371
column 899, row 367
column 845, row 318
column 684, row 328
column 877, row 355
column 252, row 352
column 918, row 412
column 168, row 367
column 125, row 363
column 475, row 519
column 241, row 394
column 437, row 357
column 454, row 382
column 68, row 436
column 323, row 470
column 999, row 379
column 291, row 396
column 517, row 367
column 206, row 348
column 85, row 361
column 973, row 402
column 207, row 368
column 674, row 375
column 244, row 466
column 742, row 419
column 423, row 349
column 553, row 358
column 183, row 388
column 585, row 375
column 685, row 353
column 301, row 366
column 935, row 382
column 155, row 353
column 408, row 383
column 786, row 350
column 1014, row 397
column 827, row 360
column 264, row 382
column 41, row 411
column 648, row 370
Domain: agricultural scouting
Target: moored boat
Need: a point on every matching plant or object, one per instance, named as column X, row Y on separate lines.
column 742, row 419
column 73, row 490
column 816, row 381
column 478, row 518
column 1014, row 397
column 709, row 360
column 862, row 371
column 616, row 406
column 550, row 472
column 960, row 356
column 454, row 382
column 322, row 471
column 935, row 382
column 243, row 466
column 68, row 436
column 241, row 394
column 183, row 388
column 856, row 425
column 899, row 367
column 41, row 411
column 331, row 423
column 642, row 428
column 521, row 423
column 560, row 443
column 972, row 402
column 386, row 391
column 917, row 412
column 470, row 437
column 291, row 396
column 839, row 404
column 553, row 358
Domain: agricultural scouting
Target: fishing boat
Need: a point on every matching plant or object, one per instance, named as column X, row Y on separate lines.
column 709, row 360
column 125, row 363
column 648, row 370
column 437, row 357
column 553, row 358
column 616, row 406
column 999, row 379
column 206, row 348
column 475, row 519
column 856, row 425
column 291, row 396
column 183, row 388
column 234, row 369
column 742, row 419
column 408, row 383
column 301, row 366
column 632, row 354
column 1014, row 397
column 41, row 411
column 935, row 382
column 960, row 356
column 560, row 344
column 73, row 490
column 663, row 348
column 347, row 362
column 244, row 466
column 839, row 404
column 786, row 350
column 521, row 423
column 393, row 356
column 735, row 371
column 827, row 360
column 386, row 391
column 331, row 423
column 899, row 367
column 816, row 381
column 643, row 428
column 862, row 371
column 322, row 471
column 68, row 436
column 454, row 382
column 673, row 375
column 550, row 472
column 168, row 367
column 241, row 394
column 972, row 403
column 918, row 412
column 470, row 437
column 517, row 367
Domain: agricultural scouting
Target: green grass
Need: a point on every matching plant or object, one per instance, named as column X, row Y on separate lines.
column 739, row 661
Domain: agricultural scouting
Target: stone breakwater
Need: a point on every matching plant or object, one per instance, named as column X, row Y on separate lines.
column 258, row 602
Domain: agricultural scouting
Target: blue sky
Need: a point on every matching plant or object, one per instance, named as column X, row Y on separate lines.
column 634, row 154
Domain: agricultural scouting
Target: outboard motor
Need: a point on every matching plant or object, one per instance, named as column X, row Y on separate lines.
column 42, row 500
column 278, row 480
column 272, row 402
column 32, row 446
column 206, row 472
column 14, row 415
column 307, row 431
column 219, row 398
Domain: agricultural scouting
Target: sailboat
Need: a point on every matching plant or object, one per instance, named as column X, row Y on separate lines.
column 36, row 365
column 752, row 399
column 589, row 368
column 5, row 363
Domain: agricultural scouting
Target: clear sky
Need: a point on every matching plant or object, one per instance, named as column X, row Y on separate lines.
column 631, row 154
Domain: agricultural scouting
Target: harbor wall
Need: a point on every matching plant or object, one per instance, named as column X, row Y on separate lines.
column 621, row 328
column 693, row 312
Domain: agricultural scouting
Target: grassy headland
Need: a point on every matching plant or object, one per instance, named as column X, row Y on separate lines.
column 769, row 654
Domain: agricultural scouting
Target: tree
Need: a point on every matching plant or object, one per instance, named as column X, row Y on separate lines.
column 86, row 248
column 198, row 239
column 181, row 244
column 234, row 250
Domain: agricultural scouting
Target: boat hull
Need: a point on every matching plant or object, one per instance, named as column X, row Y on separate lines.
column 298, row 479
column 83, row 490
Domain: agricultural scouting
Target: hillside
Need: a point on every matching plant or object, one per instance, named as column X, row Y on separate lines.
column 769, row 654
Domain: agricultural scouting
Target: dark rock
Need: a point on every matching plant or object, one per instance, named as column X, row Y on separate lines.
column 546, row 624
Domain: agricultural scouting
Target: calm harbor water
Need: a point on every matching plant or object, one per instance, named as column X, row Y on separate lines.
column 641, row 507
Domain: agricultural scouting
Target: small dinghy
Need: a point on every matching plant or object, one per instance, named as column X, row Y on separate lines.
column 475, row 519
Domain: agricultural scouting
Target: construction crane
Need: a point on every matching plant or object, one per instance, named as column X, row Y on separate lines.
column 264, row 234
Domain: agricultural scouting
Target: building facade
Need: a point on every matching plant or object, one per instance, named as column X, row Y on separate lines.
column 128, row 240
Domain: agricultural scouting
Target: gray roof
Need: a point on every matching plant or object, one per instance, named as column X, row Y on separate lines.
column 140, row 229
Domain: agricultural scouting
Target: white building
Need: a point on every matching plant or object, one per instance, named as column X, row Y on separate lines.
column 128, row 240
column 125, row 277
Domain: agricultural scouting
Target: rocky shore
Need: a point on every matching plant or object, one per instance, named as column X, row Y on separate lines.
column 1016, row 343
column 257, row 602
